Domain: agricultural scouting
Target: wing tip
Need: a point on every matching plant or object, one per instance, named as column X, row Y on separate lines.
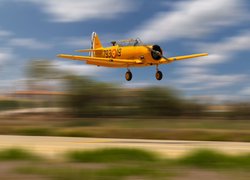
column 64, row 56
column 203, row 54
column 59, row 55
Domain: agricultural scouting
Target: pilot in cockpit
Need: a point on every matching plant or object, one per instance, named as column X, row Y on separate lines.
column 136, row 42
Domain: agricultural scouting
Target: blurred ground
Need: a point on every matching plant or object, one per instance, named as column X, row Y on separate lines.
column 55, row 102
column 123, row 164
column 55, row 146
column 40, row 123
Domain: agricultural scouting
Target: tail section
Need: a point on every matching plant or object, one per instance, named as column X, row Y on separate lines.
column 95, row 43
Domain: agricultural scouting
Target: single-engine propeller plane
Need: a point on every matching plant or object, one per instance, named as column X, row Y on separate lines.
column 126, row 54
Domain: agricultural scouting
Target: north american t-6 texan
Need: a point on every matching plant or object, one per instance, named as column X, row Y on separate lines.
column 126, row 54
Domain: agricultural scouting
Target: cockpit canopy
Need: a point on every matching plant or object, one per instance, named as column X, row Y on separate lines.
column 129, row 42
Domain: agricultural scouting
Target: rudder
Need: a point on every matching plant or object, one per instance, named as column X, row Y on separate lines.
column 95, row 42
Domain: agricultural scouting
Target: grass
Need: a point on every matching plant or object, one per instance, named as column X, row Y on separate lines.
column 203, row 158
column 36, row 131
column 61, row 173
column 137, row 128
column 111, row 155
column 112, row 164
column 200, row 158
column 16, row 154
column 143, row 133
column 109, row 173
column 214, row 159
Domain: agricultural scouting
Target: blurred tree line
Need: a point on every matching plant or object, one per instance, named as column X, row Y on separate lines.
column 239, row 111
column 85, row 97
column 89, row 98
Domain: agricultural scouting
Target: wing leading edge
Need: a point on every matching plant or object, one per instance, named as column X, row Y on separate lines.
column 178, row 58
column 128, row 61
column 88, row 58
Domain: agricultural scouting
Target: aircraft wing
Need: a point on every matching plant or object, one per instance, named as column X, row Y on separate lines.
column 98, row 59
column 178, row 58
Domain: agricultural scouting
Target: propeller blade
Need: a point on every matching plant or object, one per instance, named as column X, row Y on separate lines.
column 156, row 52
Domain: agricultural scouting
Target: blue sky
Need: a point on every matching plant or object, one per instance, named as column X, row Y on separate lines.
column 34, row 29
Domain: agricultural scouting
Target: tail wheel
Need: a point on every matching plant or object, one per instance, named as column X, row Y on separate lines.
column 128, row 76
column 158, row 75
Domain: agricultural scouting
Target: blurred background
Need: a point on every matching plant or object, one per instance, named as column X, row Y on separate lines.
column 199, row 99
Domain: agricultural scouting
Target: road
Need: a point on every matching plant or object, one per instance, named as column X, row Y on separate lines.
column 30, row 110
column 53, row 147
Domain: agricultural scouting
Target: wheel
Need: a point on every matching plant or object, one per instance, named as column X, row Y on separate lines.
column 158, row 75
column 128, row 76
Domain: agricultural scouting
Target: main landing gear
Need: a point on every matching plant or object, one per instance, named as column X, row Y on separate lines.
column 158, row 75
column 128, row 75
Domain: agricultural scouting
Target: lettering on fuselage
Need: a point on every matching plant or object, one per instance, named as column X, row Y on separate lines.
column 112, row 53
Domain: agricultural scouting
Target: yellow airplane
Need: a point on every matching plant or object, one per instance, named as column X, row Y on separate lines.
column 126, row 54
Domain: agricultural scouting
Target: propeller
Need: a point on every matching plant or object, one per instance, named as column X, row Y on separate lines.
column 157, row 52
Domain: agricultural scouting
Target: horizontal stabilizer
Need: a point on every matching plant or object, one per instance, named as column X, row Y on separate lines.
column 88, row 50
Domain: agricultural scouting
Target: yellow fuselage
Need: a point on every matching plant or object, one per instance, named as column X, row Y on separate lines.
column 124, row 52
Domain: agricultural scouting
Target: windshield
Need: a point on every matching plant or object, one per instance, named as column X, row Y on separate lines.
column 130, row 42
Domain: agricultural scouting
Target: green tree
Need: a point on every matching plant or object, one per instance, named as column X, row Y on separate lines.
column 39, row 71
column 156, row 101
column 90, row 98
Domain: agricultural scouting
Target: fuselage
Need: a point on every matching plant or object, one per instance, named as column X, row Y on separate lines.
column 125, row 52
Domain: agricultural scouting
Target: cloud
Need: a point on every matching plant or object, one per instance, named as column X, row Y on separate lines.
column 245, row 91
column 140, row 84
column 199, row 74
column 77, row 42
column 192, row 19
column 220, row 98
column 82, row 10
column 5, row 55
column 235, row 43
column 29, row 43
column 198, row 78
column 80, row 69
column 209, row 81
column 223, row 51
column 4, row 33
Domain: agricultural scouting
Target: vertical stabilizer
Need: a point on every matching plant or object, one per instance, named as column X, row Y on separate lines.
column 95, row 42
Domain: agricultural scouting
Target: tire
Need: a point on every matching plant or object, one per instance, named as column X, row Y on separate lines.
column 128, row 76
column 158, row 75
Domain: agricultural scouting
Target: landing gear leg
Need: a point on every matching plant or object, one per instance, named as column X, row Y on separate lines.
column 128, row 75
column 158, row 74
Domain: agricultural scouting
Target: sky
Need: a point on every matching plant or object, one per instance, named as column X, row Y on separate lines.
column 35, row 29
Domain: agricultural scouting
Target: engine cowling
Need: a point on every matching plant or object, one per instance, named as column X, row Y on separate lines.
column 156, row 53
